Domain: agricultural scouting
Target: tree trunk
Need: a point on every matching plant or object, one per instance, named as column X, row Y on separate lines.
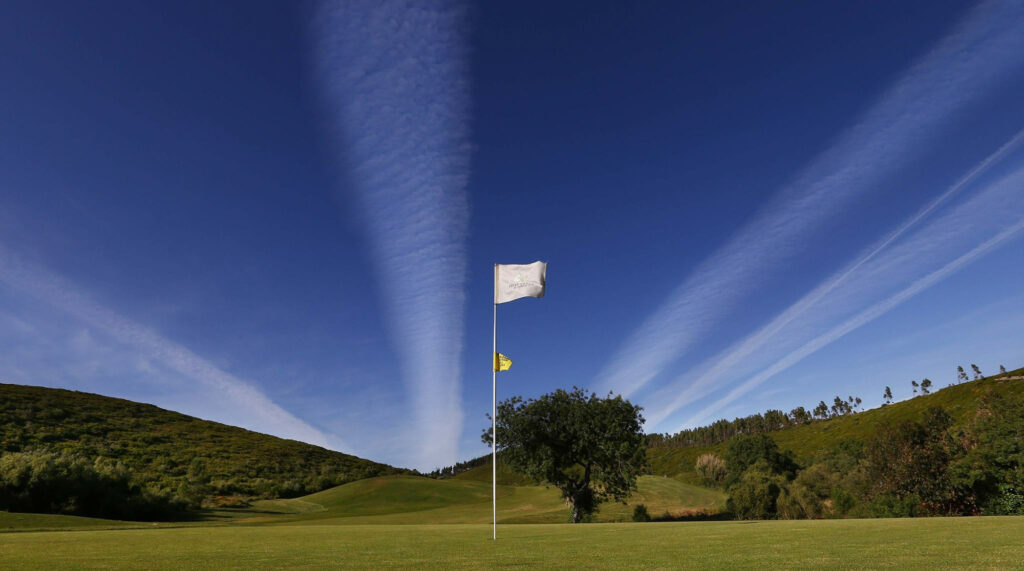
column 581, row 503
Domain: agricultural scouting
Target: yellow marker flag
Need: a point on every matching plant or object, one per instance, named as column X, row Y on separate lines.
column 501, row 362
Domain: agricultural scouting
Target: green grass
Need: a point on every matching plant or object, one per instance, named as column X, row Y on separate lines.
column 416, row 500
column 36, row 522
column 900, row 544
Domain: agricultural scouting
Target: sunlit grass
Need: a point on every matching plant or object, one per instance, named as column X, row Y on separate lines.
column 416, row 500
column 904, row 543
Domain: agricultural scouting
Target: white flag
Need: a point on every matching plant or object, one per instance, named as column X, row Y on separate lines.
column 512, row 281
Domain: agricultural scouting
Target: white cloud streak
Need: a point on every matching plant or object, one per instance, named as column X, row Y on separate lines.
column 965, row 64
column 858, row 320
column 395, row 81
column 243, row 404
column 675, row 395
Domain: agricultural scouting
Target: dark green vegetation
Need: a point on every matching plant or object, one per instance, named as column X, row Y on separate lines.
column 590, row 448
column 43, row 482
column 72, row 452
column 958, row 451
column 925, row 543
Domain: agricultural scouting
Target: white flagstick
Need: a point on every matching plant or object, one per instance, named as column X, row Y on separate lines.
column 494, row 417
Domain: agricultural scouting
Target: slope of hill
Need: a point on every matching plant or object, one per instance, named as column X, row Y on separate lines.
column 483, row 473
column 418, row 500
column 960, row 401
column 171, row 451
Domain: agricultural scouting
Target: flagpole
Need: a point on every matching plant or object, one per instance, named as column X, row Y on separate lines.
column 494, row 417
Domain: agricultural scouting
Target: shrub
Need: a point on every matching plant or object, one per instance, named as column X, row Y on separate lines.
column 1008, row 502
column 745, row 450
column 229, row 502
column 640, row 513
column 711, row 468
column 797, row 501
column 892, row 506
column 842, row 501
column 756, row 494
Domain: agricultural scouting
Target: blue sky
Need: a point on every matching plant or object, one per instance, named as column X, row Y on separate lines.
column 284, row 216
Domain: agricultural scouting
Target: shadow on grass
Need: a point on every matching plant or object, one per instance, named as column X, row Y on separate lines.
column 701, row 515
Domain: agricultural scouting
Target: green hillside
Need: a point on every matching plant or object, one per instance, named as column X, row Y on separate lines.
column 418, row 500
column 960, row 401
column 483, row 473
column 171, row 451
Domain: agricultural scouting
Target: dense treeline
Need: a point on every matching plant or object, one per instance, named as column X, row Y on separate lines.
column 168, row 455
column 772, row 420
column 42, row 482
column 921, row 466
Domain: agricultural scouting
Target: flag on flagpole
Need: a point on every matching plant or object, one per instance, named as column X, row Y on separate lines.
column 511, row 282
column 514, row 281
column 501, row 362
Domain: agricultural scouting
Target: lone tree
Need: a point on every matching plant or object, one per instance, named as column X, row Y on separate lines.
column 887, row 395
column 590, row 448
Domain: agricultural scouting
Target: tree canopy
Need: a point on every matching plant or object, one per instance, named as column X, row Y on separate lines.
column 592, row 449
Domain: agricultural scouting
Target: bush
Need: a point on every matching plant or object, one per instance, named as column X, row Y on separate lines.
column 892, row 506
column 640, row 513
column 1008, row 502
column 842, row 502
column 745, row 450
column 229, row 502
column 797, row 501
column 756, row 494
column 710, row 468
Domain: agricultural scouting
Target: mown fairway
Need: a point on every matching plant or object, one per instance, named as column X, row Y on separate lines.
column 894, row 543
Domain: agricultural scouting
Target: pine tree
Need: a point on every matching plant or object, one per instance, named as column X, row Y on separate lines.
column 821, row 411
column 887, row 395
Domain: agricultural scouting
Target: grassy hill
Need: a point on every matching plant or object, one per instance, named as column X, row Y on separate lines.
column 171, row 451
column 418, row 500
column 960, row 401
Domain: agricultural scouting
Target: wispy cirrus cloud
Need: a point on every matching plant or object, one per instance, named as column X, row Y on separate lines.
column 965, row 64
column 941, row 237
column 395, row 79
column 861, row 318
column 238, row 402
